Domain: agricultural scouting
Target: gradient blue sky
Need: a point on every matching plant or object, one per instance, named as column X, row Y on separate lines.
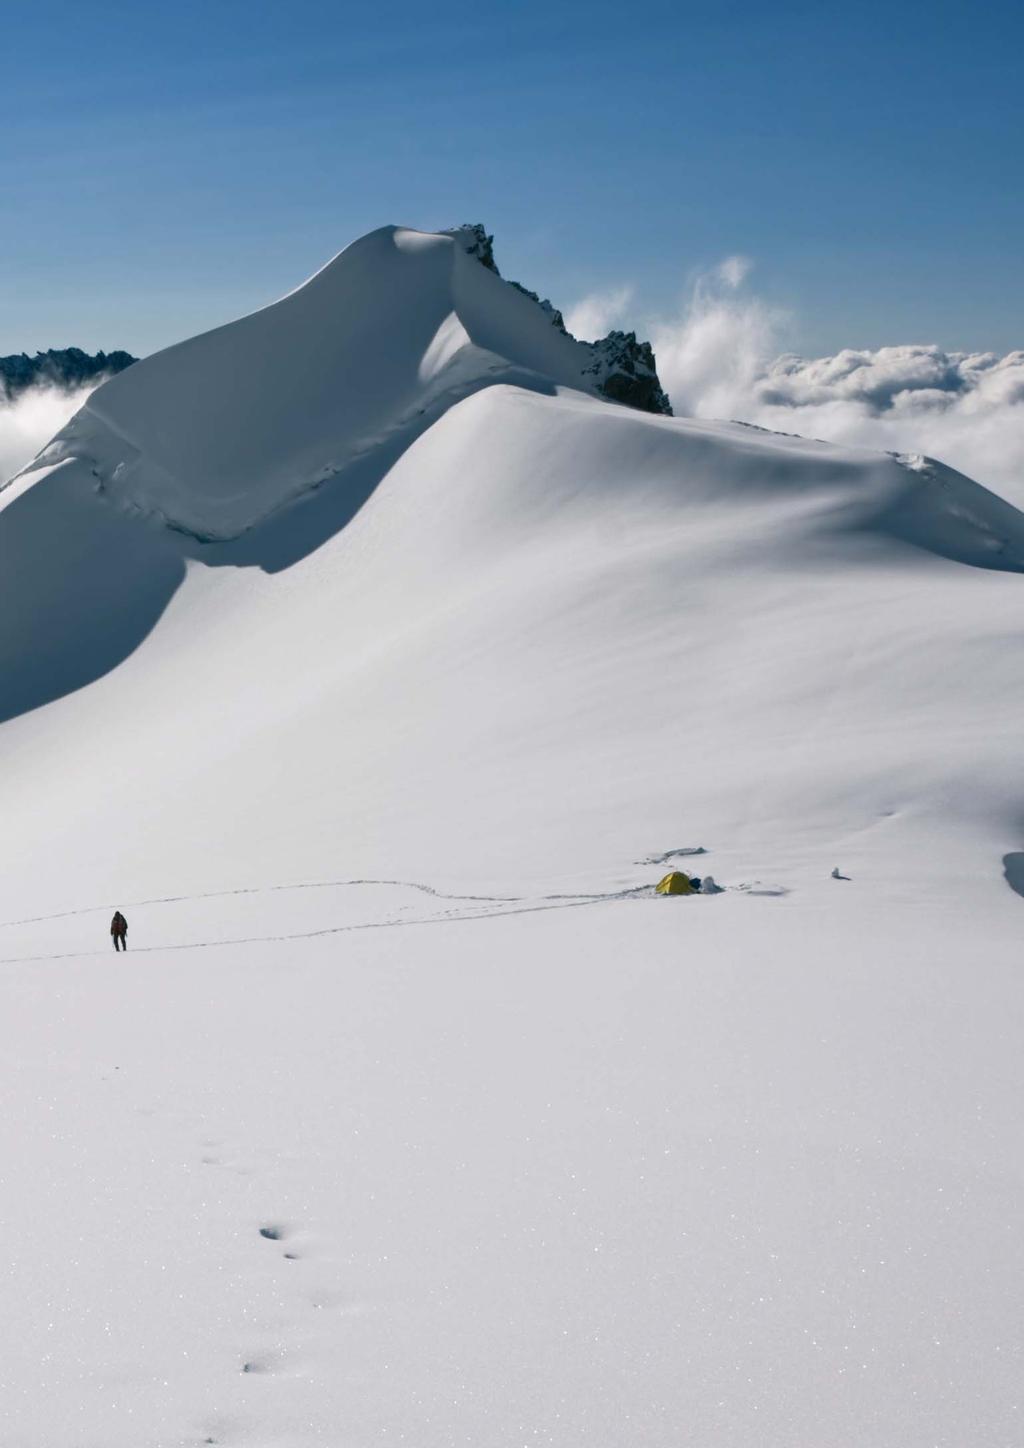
column 164, row 168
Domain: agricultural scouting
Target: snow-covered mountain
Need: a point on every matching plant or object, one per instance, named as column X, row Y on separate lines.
column 374, row 663
column 214, row 434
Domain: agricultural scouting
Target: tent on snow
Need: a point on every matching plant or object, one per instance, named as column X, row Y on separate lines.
column 675, row 883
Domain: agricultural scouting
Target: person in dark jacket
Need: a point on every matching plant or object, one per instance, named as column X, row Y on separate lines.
column 119, row 931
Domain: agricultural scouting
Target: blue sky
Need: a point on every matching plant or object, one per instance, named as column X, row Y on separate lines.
column 164, row 168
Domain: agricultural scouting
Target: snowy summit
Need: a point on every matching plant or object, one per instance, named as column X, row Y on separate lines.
column 214, row 434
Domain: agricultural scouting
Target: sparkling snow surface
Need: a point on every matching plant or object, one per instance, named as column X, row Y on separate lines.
column 409, row 1117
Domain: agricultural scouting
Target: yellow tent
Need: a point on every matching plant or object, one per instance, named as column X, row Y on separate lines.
column 675, row 883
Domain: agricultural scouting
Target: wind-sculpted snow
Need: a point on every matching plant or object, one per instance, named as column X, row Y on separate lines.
column 216, row 433
column 258, row 443
column 86, row 577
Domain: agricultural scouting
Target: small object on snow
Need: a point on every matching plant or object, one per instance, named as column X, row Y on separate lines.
column 836, row 875
column 709, row 887
column 675, row 883
column 672, row 855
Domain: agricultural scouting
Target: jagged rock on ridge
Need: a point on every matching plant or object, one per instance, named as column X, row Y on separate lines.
column 627, row 372
column 625, row 369
column 475, row 240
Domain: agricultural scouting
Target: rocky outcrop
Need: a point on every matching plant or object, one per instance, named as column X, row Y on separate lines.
column 67, row 367
column 554, row 316
column 475, row 240
column 621, row 367
column 627, row 372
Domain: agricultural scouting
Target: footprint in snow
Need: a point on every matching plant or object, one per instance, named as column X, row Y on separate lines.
column 240, row 1168
column 261, row 1363
column 280, row 1232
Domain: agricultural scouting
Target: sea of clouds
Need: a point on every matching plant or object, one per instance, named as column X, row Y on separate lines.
column 719, row 357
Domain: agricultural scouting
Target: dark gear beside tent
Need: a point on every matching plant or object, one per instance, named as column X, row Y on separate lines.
column 675, row 883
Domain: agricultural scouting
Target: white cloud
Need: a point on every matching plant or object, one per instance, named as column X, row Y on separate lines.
column 711, row 355
column 596, row 315
column 965, row 408
column 28, row 423
column 720, row 357
column 734, row 270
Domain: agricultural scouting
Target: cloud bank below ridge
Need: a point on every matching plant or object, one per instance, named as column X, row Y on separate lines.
column 720, row 358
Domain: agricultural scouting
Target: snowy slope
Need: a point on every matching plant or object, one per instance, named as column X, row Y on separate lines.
column 558, row 1162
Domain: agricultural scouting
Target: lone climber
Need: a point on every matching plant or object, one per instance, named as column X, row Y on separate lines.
column 119, row 931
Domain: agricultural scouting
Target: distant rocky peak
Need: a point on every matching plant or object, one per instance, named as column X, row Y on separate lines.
column 67, row 368
column 623, row 369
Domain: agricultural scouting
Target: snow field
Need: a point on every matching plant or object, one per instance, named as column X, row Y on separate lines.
column 631, row 1170
column 340, row 1151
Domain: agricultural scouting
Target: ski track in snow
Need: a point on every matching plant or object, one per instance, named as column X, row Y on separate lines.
column 264, row 890
column 522, row 903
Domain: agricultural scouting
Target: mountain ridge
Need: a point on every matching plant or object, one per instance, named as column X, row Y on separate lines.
column 219, row 431
column 624, row 368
